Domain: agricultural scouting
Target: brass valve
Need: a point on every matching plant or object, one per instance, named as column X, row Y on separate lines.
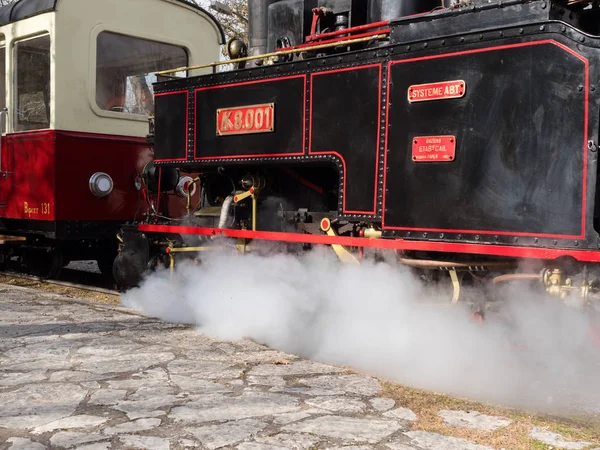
column 254, row 182
column 557, row 283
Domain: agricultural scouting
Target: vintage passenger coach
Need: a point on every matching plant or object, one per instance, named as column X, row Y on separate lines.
column 76, row 92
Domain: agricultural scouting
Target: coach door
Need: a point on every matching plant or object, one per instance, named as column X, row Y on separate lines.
column 27, row 159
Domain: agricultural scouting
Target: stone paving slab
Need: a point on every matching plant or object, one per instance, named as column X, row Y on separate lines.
column 556, row 440
column 474, row 420
column 79, row 376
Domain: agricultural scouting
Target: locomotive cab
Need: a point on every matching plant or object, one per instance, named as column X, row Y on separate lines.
column 76, row 93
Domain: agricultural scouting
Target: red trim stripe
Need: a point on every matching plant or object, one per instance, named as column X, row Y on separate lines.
column 393, row 244
column 158, row 193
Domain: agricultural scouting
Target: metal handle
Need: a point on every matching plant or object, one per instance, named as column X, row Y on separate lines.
column 3, row 115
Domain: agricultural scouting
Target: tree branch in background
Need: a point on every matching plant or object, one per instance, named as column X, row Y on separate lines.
column 232, row 24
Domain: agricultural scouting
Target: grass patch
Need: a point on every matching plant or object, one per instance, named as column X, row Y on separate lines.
column 61, row 290
column 426, row 405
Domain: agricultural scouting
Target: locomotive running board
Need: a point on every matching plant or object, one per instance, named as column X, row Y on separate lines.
column 393, row 244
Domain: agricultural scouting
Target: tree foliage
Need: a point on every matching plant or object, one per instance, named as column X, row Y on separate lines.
column 233, row 25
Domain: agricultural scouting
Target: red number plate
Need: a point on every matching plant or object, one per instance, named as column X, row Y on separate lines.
column 246, row 119
column 433, row 148
column 436, row 91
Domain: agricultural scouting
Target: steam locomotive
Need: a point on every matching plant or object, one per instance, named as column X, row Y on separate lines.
column 460, row 138
column 75, row 94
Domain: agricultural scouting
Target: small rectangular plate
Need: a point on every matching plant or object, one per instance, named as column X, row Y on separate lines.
column 433, row 148
column 436, row 91
column 246, row 119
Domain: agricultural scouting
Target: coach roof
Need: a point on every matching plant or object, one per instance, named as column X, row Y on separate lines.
column 25, row 8
column 22, row 9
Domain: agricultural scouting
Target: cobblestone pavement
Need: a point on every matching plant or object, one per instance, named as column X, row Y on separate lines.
column 77, row 375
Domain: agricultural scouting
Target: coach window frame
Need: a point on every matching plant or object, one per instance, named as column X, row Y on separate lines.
column 14, row 69
column 93, row 67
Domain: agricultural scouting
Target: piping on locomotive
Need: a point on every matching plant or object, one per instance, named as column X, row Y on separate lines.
column 460, row 138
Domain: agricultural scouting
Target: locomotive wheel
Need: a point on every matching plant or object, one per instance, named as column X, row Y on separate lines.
column 131, row 263
column 4, row 260
column 105, row 264
column 44, row 265
column 160, row 260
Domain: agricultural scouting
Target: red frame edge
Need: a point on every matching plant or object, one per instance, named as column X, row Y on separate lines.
column 393, row 244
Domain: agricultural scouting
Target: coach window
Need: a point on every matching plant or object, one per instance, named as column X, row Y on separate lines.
column 2, row 74
column 126, row 68
column 32, row 100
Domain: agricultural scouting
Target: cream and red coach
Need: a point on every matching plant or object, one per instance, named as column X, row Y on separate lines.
column 76, row 81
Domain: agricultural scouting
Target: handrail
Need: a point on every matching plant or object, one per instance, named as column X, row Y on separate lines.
column 368, row 26
column 301, row 47
column 3, row 113
column 337, row 43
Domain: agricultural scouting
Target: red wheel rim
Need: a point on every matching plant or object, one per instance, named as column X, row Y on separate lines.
column 476, row 317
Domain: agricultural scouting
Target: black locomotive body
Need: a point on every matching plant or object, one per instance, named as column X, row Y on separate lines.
column 461, row 134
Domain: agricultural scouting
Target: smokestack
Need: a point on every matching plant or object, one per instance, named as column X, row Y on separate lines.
column 395, row 9
column 258, row 15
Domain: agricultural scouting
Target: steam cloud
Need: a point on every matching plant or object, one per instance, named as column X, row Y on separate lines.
column 380, row 319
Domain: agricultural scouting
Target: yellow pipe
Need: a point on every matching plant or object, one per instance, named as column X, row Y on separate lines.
column 455, row 286
column 371, row 233
column 189, row 194
column 244, row 195
column 342, row 252
column 253, row 212
column 173, row 250
column 193, row 249
column 270, row 55
column 252, row 193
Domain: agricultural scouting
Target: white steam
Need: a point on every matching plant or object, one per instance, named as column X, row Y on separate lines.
column 379, row 319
